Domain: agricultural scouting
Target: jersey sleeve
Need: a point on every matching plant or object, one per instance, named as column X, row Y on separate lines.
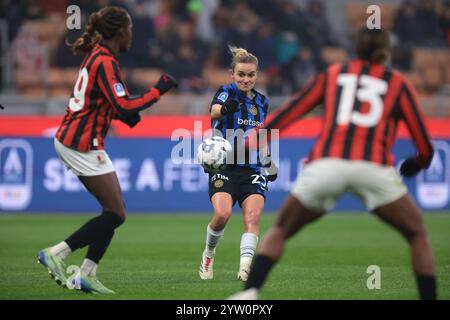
column 220, row 97
column 299, row 104
column 116, row 92
column 412, row 114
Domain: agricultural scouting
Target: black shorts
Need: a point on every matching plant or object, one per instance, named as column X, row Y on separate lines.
column 239, row 182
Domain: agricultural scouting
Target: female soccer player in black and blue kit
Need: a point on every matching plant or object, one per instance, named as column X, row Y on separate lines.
column 238, row 108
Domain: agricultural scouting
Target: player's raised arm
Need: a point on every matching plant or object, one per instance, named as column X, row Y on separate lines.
column 413, row 116
column 116, row 92
column 299, row 104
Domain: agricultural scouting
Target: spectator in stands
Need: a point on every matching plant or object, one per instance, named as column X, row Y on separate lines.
column 275, row 84
column 287, row 46
column 428, row 22
column 187, row 68
column 318, row 30
column 13, row 13
column 291, row 19
column 32, row 10
column 444, row 22
column 204, row 28
column 27, row 50
column 302, row 68
column 406, row 27
column 244, row 22
column 144, row 35
column 264, row 45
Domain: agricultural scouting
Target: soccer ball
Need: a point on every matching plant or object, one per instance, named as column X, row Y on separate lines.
column 212, row 154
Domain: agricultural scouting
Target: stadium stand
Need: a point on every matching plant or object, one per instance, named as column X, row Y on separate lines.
column 168, row 37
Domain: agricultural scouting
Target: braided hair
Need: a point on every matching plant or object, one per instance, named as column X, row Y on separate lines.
column 103, row 24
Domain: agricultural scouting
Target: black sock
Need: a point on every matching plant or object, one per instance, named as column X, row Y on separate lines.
column 96, row 229
column 97, row 250
column 259, row 271
column 427, row 287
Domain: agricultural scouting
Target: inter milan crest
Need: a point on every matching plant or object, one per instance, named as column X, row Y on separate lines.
column 218, row 184
column 254, row 110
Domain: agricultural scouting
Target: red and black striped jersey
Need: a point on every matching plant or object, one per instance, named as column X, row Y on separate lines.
column 363, row 104
column 99, row 96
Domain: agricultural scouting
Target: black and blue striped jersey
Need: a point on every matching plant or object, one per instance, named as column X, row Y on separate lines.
column 251, row 115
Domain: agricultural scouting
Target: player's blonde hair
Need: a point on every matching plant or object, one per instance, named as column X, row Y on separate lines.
column 241, row 55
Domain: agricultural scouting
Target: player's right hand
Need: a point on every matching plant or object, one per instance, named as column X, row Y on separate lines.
column 410, row 167
column 229, row 107
column 165, row 83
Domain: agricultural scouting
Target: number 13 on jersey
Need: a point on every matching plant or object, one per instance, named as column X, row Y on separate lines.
column 369, row 89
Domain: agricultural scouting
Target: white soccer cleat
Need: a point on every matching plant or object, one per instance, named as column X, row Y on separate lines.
column 244, row 270
column 249, row 294
column 206, row 267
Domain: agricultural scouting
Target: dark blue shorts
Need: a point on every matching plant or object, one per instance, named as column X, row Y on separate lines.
column 239, row 182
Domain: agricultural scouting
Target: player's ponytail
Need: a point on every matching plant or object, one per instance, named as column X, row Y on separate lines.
column 104, row 24
column 90, row 37
column 373, row 45
column 240, row 55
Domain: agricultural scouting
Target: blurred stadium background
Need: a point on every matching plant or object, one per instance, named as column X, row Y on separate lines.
column 293, row 39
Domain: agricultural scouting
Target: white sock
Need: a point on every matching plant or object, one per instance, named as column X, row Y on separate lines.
column 61, row 250
column 212, row 238
column 89, row 268
column 249, row 241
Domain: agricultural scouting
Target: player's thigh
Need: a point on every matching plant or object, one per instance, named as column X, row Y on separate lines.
column 293, row 215
column 402, row 214
column 222, row 203
column 251, row 184
column 375, row 184
column 106, row 189
column 320, row 183
column 252, row 208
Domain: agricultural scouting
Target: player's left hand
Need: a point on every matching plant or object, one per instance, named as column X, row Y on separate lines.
column 269, row 168
column 410, row 167
column 165, row 83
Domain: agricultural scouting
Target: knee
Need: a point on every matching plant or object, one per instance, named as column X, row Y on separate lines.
column 120, row 216
column 278, row 232
column 414, row 233
column 251, row 217
column 118, row 208
column 222, row 215
column 113, row 219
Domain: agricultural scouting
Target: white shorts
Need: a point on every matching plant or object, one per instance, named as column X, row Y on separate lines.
column 323, row 181
column 91, row 163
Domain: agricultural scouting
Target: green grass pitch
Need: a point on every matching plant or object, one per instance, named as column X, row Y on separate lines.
column 157, row 257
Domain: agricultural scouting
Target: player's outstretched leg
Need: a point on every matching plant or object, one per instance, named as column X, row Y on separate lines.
column 107, row 192
column 249, row 241
column 404, row 216
column 252, row 208
column 97, row 233
column 222, row 203
column 291, row 218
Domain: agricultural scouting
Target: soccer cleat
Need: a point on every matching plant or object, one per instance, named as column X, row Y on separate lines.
column 249, row 294
column 90, row 285
column 206, row 267
column 244, row 270
column 55, row 266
